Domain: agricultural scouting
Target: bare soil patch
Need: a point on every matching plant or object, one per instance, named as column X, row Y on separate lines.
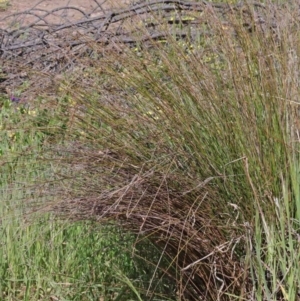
column 89, row 7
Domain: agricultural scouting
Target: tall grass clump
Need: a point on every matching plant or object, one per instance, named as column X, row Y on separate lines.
column 194, row 147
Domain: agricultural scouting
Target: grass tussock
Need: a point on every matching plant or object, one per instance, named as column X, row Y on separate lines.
column 194, row 147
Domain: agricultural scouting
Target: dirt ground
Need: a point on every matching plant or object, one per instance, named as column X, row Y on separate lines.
column 91, row 7
column 17, row 13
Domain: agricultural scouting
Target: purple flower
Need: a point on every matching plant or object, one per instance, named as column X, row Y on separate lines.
column 15, row 99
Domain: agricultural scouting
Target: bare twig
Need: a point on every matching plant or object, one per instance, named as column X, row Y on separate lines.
column 36, row 45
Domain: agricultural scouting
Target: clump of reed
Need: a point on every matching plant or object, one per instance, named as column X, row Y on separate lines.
column 194, row 147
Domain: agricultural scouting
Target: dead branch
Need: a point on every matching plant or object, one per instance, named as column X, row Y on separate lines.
column 53, row 46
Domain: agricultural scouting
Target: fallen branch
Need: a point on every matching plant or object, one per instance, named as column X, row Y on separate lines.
column 52, row 47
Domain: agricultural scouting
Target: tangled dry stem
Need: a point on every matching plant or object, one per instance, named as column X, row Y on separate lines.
column 182, row 224
column 43, row 47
